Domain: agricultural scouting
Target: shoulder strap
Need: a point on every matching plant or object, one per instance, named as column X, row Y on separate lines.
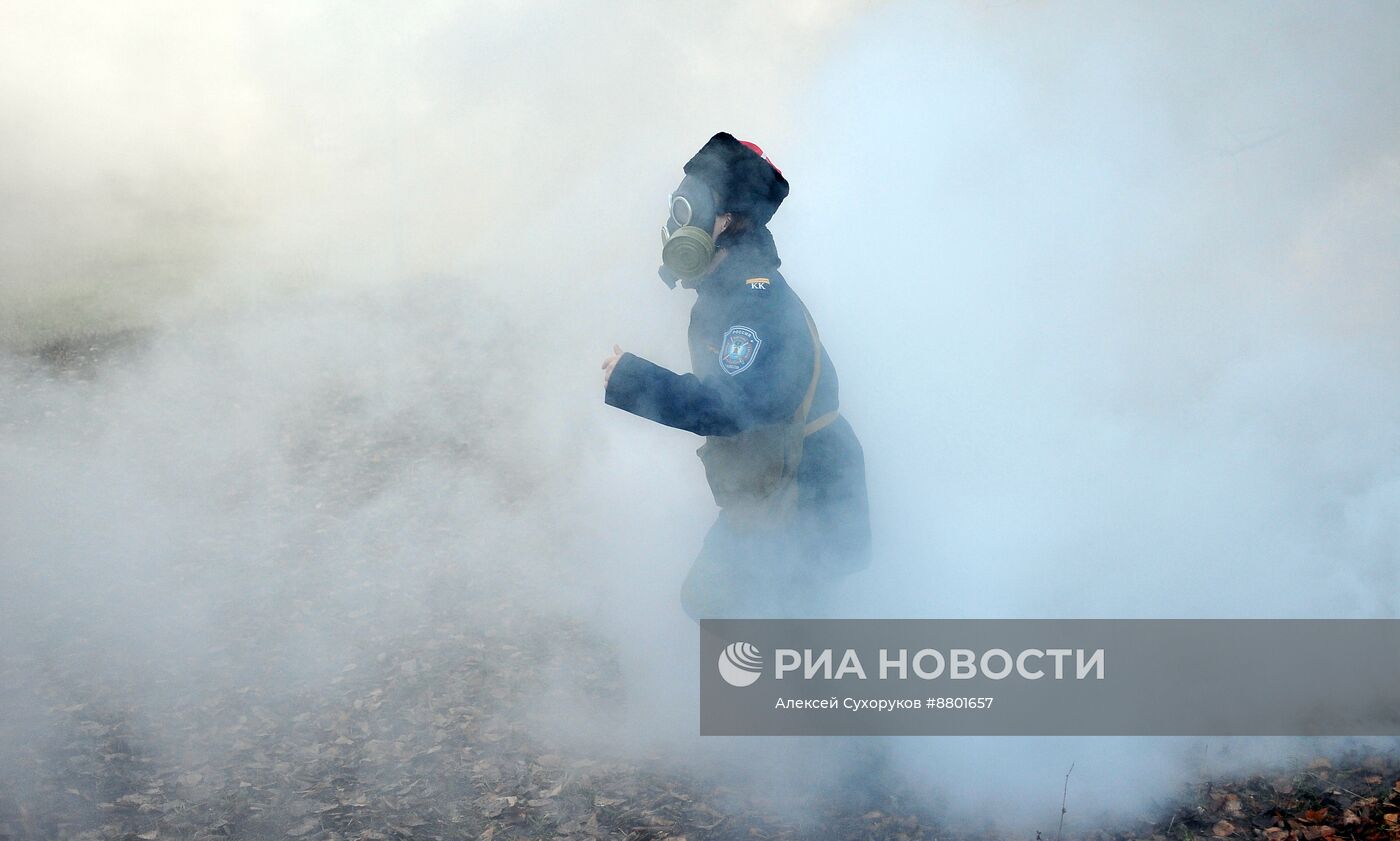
column 805, row 409
column 801, row 416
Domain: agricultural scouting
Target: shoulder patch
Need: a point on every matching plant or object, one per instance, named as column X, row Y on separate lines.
column 738, row 349
column 758, row 284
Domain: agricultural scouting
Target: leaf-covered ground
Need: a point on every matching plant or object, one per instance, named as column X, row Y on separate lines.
column 426, row 739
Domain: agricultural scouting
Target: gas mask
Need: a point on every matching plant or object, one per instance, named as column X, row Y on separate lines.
column 686, row 245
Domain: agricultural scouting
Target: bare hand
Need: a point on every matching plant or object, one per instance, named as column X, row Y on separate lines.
column 610, row 363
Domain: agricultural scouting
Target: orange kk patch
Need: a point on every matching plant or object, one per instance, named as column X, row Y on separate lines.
column 758, row 282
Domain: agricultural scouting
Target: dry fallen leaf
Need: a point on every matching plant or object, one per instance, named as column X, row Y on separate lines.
column 1222, row 829
column 492, row 806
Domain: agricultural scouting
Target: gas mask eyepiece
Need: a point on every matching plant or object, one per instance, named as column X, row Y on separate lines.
column 687, row 249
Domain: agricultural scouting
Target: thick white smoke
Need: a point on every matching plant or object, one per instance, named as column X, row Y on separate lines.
column 1111, row 290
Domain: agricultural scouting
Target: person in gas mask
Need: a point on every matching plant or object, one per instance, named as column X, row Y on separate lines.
column 785, row 468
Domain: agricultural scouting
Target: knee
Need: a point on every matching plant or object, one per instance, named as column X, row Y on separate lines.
column 705, row 594
column 690, row 600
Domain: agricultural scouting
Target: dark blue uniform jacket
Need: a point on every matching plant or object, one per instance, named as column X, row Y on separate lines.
column 751, row 354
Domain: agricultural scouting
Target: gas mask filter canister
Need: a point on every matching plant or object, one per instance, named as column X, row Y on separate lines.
column 687, row 248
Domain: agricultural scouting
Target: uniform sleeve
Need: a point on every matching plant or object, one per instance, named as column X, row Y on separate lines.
column 679, row 400
column 762, row 367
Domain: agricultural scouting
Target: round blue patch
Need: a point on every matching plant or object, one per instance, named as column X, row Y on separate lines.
column 738, row 349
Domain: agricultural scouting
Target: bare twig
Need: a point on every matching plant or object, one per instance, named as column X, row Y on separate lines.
column 1064, row 798
column 1336, row 787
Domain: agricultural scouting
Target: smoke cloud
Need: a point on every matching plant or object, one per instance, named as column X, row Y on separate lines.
column 302, row 310
column 1119, row 285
